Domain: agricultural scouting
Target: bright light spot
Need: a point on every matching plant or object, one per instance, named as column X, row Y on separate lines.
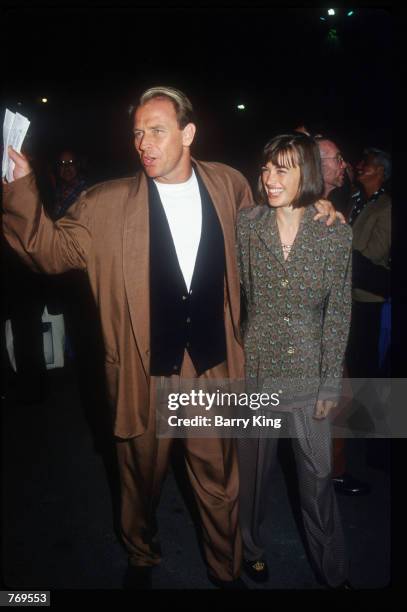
column 323, row 18
column 331, row 11
column 44, row 100
column 241, row 106
column 19, row 103
column 350, row 13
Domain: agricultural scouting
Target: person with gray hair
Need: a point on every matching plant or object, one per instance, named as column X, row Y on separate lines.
column 380, row 158
column 372, row 172
column 370, row 218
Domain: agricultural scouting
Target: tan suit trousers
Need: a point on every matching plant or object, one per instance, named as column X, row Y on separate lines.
column 212, row 468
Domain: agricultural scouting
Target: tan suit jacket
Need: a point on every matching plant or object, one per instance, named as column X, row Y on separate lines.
column 106, row 232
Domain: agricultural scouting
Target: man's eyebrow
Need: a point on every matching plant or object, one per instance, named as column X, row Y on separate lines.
column 152, row 127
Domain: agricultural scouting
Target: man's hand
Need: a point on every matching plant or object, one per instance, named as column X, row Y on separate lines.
column 325, row 208
column 22, row 166
column 323, row 408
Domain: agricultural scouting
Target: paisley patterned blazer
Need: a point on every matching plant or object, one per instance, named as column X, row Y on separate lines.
column 298, row 309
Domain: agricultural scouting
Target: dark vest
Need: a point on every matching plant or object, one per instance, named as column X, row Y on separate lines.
column 180, row 319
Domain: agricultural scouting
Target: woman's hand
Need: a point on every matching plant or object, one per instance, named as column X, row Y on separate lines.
column 326, row 208
column 323, row 408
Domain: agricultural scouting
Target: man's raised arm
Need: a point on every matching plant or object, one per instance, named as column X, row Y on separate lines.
column 44, row 245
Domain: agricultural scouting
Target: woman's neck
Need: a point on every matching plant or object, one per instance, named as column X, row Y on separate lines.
column 288, row 223
column 289, row 218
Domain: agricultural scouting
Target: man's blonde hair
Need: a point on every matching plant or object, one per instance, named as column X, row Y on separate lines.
column 182, row 105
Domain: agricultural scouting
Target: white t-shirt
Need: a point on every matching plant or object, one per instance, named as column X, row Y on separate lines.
column 182, row 206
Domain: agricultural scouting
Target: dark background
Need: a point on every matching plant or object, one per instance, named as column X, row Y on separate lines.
column 285, row 64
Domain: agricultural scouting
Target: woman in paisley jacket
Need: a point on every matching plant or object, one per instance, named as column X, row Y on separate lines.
column 296, row 275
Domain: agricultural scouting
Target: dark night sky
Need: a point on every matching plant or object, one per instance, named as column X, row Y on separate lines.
column 282, row 63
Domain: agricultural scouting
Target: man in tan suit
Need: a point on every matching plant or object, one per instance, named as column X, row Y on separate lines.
column 151, row 320
column 156, row 248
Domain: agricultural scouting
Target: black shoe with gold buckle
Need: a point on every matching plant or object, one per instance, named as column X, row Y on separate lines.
column 257, row 570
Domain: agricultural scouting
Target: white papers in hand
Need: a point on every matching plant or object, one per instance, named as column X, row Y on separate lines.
column 15, row 128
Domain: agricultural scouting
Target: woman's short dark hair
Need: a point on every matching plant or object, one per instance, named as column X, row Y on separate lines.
column 296, row 149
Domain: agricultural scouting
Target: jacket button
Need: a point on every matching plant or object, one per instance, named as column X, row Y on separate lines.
column 287, row 319
column 184, row 297
column 290, row 350
column 175, row 367
column 284, row 282
column 188, row 319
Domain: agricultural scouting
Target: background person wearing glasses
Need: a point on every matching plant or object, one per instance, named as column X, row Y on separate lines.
column 334, row 167
column 70, row 182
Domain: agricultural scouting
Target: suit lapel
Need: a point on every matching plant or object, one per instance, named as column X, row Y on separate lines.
column 136, row 265
column 267, row 230
column 218, row 194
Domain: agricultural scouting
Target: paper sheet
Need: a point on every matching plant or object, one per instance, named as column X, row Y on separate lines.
column 15, row 128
